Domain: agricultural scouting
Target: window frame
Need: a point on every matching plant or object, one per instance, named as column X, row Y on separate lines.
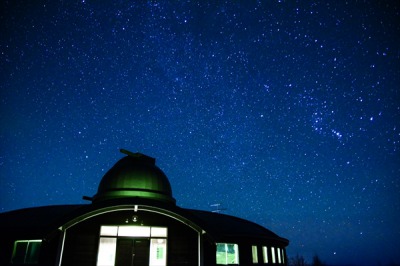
column 31, row 251
column 225, row 252
column 254, row 254
column 265, row 254
column 278, row 251
column 273, row 255
column 114, row 232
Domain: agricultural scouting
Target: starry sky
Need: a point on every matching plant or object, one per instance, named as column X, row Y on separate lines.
column 285, row 112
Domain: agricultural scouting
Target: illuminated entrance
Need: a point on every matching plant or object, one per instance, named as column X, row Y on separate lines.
column 132, row 246
column 132, row 252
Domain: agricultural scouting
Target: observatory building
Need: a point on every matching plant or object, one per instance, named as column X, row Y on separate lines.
column 133, row 220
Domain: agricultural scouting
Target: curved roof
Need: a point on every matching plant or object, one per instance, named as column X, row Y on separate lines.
column 43, row 221
column 223, row 226
column 135, row 175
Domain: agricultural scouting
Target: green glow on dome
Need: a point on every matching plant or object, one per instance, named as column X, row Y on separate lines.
column 135, row 175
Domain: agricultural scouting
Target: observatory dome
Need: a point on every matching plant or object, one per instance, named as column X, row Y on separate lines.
column 135, row 175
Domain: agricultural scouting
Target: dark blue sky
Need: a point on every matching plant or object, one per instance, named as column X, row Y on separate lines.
column 285, row 112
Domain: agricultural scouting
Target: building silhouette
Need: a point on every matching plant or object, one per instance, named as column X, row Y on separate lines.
column 133, row 219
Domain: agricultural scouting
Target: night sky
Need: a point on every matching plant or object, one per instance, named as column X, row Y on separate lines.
column 287, row 113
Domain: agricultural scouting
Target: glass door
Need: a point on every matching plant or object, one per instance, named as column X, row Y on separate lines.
column 127, row 245
column 132, row 252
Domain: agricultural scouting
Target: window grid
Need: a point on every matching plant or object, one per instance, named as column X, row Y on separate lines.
column 26, row 251
column 108, row 242
column 227, row 253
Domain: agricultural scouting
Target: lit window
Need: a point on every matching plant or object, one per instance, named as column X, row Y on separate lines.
column 138, row 231
column 107, row 250
column 265, row 254
column 109, row 230
column 278, row 250
column 159, row 232
column 254, row 254
column 133, row 231
column 158, row 252
column 283, row 256
column 26, row 252
column 227, row 253
column 273, row 254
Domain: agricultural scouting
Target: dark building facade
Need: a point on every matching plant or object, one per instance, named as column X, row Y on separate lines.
column 134, row 220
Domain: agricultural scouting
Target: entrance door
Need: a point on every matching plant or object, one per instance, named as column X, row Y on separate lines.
column 132, row 252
